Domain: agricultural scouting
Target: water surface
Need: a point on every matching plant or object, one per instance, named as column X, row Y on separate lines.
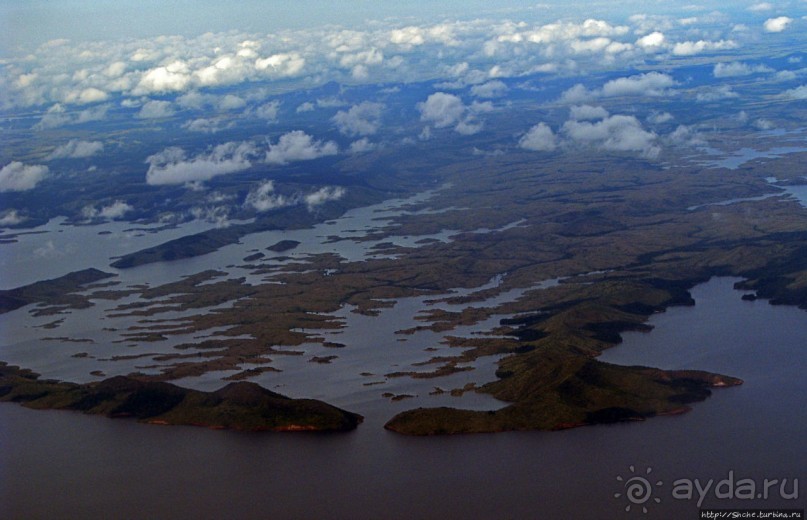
column 62, row 464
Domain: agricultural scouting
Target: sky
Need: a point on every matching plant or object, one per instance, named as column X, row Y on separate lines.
column 206, row 67
column 31, row 23
column 110, row 48
column 28, row 23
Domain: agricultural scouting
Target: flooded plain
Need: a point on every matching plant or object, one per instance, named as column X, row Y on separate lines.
column 62, row 464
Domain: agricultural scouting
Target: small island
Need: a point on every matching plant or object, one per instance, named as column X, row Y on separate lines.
column 241, row 406
column 283, row 245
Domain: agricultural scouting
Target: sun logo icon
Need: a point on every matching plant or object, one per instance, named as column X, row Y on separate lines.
column 638, row 490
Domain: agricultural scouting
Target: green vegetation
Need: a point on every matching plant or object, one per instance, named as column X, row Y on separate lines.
column 556, row 390
column 238, row 406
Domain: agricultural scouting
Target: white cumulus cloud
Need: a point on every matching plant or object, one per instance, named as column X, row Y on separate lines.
column 263, row 198
column 587, row 113
column 690, row 48
column 738, row 68
column 323, row 195
column 615, row 133
column 113, row 211
column 305, row 107
column 92, row 95
column 720, row 93
column 155, row 109
column 467, row 52
column 362, row 145
column 658, row 118
column 231, row 102
column 649, row 84
column 652, row 42
column 54, row 117
column 281, row 64
column 57, row 115
column 77, row 149
column 361, row 119
column 159, row 80
column 17, row 176
column 491, row 89
column 686, row 136
column 762, row 6
column 268, row 111
column 539, row 138
column 468, row 126
column 796, row 93
column 764, row 124
column 173, row 166
column 298, row 146
column 443, row 110
column 11, row 218
column 207, row 125
column 778, row 24
column 577, row 94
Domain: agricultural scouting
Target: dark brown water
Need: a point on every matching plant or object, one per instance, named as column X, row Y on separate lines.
column 66, row 465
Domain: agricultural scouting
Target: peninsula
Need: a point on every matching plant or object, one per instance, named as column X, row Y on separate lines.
column 236, row 406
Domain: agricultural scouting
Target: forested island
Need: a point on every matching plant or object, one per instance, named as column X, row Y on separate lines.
column 236, row 406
